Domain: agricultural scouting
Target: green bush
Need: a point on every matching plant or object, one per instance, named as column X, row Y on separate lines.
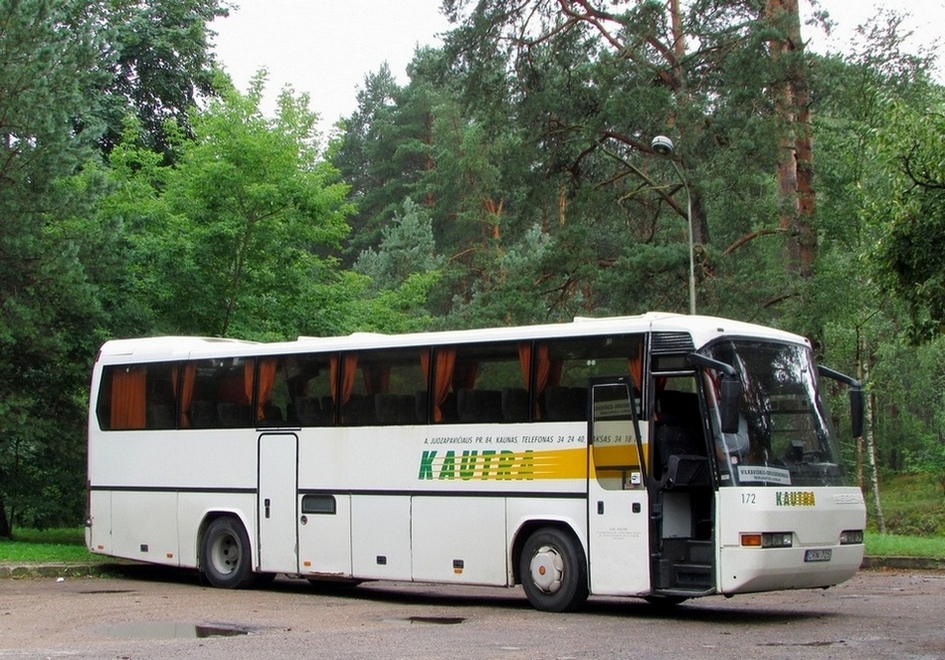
column 915, row 523
column 912, row 506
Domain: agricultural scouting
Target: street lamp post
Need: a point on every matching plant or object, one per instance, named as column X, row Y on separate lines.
column 664, row 147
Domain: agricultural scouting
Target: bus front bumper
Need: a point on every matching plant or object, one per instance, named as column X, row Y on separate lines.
column 746, row 570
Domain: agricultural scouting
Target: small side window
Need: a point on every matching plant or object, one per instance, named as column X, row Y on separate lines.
column 319, row 504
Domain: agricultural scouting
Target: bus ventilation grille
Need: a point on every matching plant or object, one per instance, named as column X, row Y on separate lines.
column 672, row 342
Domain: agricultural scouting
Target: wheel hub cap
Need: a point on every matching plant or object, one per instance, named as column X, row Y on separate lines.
column 547, row 569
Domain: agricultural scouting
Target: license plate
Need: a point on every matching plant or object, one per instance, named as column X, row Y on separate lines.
column 817, row 555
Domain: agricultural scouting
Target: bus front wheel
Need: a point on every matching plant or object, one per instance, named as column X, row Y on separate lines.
column 225, row 556
column 553, row 571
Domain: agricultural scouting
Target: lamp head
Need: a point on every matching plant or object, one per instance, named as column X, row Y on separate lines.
column 662, row 145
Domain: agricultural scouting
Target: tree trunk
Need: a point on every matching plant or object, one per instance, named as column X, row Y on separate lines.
column 863, row 374
column 860, row 476
column 795, row 157
column 874, row 469
column 5, row 531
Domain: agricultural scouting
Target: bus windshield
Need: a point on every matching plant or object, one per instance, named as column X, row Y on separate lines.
column 784, row 437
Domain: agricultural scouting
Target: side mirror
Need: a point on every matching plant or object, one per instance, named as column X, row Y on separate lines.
column 856, row 411
column 731, row 394
column 856, row 398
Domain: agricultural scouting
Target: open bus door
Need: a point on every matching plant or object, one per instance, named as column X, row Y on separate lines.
column 682, row 494
column 618, row 510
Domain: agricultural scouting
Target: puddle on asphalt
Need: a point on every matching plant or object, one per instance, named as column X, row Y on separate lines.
column 440, row 620
column 821, row 643
column 171, row 630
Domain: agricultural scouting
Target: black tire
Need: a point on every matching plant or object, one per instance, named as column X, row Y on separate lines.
column 553, row 571
column 225, row 555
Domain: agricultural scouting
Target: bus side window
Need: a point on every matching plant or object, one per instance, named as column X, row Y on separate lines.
column 161, row 396
column 126, row 392
column 272, row 397
column 222, row 394
column 103, row 407
column 491, row 382
column 564, row 367
column 389, row 388
column 302, row 391
column 140, row 396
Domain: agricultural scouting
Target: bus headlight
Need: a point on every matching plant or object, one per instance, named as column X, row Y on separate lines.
column 768, row 540
column 851, row 537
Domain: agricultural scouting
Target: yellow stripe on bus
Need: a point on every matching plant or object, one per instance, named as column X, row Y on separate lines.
column 487, row 465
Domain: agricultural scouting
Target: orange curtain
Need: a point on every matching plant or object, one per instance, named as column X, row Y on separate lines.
column 635, row 365
column 267, row 376
column 425, row 364
column 128, row 398
column 186, row 391
column 543, row 369
column 442, row 379
column 346, row 381
column 249, row 370
column 525, row 360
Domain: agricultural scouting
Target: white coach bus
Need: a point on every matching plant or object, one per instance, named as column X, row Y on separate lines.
column 660, row 456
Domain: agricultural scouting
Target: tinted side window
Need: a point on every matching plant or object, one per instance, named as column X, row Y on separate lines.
column 385, row 387
column 221, row 395
column 571, row 362
column 139, row 396
column 295, row 390
column 482, row 383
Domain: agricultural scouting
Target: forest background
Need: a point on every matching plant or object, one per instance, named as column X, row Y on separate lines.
column 511, row 180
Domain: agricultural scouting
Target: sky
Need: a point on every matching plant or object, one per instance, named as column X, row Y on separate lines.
column 326, row 47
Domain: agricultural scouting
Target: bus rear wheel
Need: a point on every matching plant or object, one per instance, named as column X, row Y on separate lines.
column 553, row 571
column 225, row 556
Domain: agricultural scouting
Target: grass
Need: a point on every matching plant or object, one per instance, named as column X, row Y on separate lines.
column 49, row 545
column 897, row 545
column 914, row 511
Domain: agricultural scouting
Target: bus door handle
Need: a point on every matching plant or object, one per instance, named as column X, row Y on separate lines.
column 266, row 504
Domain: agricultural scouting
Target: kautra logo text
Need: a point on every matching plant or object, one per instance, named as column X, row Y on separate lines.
column 797, row 498
column 490, row 464
column 474, row 464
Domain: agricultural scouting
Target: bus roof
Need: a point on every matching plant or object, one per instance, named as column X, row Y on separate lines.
column 702, row 329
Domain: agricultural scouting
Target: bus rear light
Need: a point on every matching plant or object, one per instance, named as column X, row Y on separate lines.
column 768, row 540
column 851, row 537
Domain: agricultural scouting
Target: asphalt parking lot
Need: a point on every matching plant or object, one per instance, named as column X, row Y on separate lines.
column 149, row 612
